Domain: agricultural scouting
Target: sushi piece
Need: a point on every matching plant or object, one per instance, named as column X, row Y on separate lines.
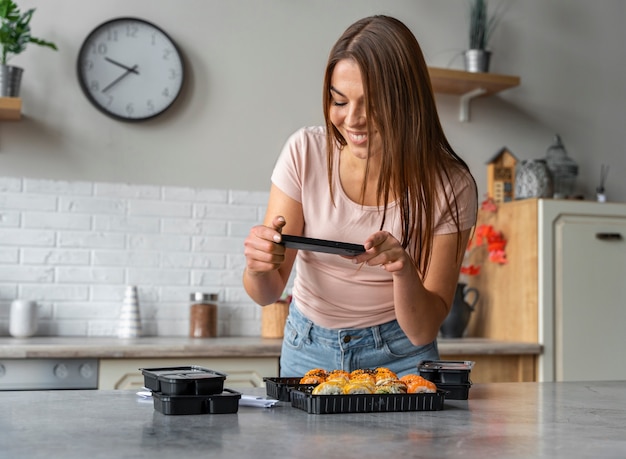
column 358, row 388
column 368, row 376
column 361, row 371
column 385, row 375
column 329, row 388
column 418, row 385
column 312, row 380
column 391, row 387
column 338, row 375
column 320, row 372
column 314, row 376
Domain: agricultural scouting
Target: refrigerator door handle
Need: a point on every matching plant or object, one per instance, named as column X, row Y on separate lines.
column 609, row 236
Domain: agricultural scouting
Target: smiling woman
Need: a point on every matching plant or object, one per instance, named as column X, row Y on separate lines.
column 130, row 69
column 380, row 173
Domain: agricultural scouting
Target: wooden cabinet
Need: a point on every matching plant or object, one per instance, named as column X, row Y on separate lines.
column 242, row 372
column 10, row 108
column 563, row 286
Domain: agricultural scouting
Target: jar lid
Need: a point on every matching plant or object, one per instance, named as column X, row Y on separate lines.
column 203, row 297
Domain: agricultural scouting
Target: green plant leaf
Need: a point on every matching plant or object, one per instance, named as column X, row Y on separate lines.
column 15, row 31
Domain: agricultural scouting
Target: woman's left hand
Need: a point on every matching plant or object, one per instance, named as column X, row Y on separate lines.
column 384, row 250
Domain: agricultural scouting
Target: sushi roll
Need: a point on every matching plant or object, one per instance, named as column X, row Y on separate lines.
column 358, row 388
column 391, row 387
column 314, row 376
column 385, row 375
column 312, row 380
column 319, row 372
column 338, row 375
column 368, row 376
column 329, row 388
column 419, row 385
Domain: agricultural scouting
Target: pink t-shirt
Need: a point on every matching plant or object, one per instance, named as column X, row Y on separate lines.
column 330, row 290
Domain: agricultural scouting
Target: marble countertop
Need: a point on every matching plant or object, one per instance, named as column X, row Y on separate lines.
column 166, row 347
column 500, row 420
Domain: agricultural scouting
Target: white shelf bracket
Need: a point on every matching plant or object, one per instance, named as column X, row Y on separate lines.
column 464, row 114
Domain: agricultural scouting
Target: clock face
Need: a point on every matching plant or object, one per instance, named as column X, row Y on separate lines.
column 130, row 69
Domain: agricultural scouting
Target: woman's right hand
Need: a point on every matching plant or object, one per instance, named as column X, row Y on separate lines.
column 261, row 250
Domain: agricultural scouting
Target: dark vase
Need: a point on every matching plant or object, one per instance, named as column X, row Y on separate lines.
column 459, row 316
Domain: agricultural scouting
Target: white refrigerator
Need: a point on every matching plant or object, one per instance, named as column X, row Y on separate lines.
column 582, row 291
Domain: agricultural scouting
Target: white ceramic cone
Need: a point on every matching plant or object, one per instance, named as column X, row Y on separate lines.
column 130, row 319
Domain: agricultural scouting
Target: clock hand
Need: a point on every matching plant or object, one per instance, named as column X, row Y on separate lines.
column 127, row 72
column 133, row 69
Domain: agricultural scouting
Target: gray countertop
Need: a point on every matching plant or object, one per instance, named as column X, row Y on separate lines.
column 165, row 347
column 500, row 420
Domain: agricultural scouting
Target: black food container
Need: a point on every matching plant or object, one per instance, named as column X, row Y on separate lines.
column 186, row 380
column 280, row 388
column 452, row 376
column 223, row 403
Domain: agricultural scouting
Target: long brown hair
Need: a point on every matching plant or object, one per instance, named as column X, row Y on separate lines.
column 417, row 158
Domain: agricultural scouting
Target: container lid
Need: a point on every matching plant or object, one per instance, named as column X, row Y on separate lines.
column 203, row 297
column 466, row 365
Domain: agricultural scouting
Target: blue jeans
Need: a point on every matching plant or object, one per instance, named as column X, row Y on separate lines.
column 307, row 346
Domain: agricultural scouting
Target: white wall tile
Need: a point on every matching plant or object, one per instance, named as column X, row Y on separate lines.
column 73, row 247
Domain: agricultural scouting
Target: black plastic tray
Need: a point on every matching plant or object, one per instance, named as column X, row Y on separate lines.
column 280, row 388
column 185, row 380
column 226, row 402
column 366, row 403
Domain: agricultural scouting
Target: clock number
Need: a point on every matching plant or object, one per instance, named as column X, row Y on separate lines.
column 173, row 74
column 150, row 105
column 130, row 109
column 166, row 92
column 94, row 85
column 109, row 100
column 99, row 48
column 111, row 35
column 166, row 54
column 131, row 30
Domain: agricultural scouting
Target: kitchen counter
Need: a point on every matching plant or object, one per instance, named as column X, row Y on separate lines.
column 512, row 420
column 171, row 347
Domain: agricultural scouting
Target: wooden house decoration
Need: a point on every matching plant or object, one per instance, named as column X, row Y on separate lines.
column 501, row 176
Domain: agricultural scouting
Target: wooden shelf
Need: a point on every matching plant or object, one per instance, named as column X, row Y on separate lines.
column 469, row 85
column 10, row 108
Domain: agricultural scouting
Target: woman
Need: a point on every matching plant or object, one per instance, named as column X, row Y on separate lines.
column 380, row 173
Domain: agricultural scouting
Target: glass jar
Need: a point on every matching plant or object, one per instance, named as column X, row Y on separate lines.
column 563, row 168
column 203, row 315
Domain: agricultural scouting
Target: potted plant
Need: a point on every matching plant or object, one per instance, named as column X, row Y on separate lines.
column 14, row 36
column 481, row 26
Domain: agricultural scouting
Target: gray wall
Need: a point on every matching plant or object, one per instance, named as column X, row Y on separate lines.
column 254, row 76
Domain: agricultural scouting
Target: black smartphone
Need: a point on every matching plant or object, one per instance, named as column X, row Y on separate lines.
column 322, row 245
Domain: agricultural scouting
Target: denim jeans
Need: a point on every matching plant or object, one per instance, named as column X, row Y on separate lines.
column 307, row 346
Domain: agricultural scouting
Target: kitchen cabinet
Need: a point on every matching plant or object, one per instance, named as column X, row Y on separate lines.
column 10, row 108
column 242, row 372
column 469, row 85
column 563, row 286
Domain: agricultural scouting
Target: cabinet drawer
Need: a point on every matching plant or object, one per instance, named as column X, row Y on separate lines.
column 242, row 372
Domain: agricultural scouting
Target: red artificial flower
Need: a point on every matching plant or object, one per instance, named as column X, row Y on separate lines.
column 486, row 235
column 470, row 270
column 489, row 205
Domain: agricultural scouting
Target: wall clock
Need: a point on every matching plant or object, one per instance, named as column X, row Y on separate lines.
column 130, row 69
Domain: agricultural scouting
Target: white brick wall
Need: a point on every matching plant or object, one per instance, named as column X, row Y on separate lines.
column 74, row 246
